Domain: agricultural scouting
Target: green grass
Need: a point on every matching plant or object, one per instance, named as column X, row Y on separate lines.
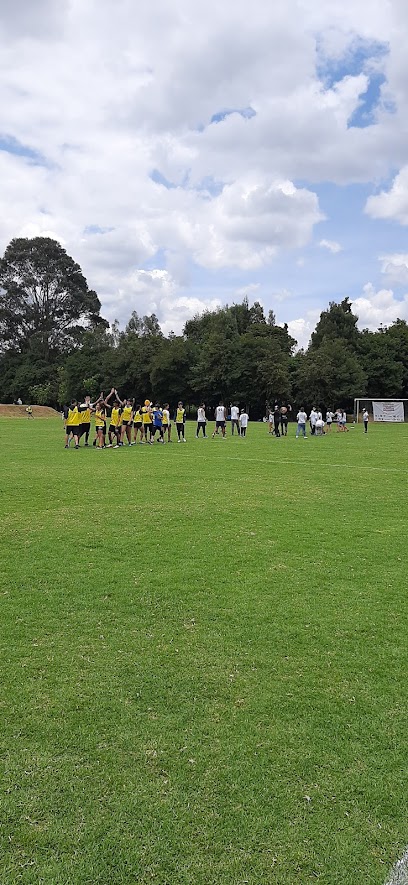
column 204, row 659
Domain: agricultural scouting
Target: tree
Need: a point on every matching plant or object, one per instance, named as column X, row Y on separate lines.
column 45, row 302
column 380, row 359
column 336, row 322
column 330, row 375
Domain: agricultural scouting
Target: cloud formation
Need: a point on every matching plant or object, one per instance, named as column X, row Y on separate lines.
column 152, row 140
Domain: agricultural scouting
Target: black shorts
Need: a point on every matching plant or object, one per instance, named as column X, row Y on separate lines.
column 220, row 423
column 113, row 428
column 103, row 428
column 72, row 428
column 125, row 423
column 84, row 428
column 137, row 425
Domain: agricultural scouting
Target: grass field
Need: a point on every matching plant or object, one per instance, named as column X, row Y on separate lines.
column 204, row 659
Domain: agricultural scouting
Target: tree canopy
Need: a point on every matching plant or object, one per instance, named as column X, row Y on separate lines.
column 54, row 345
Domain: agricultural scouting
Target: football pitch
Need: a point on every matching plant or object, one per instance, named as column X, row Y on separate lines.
column 204, row 659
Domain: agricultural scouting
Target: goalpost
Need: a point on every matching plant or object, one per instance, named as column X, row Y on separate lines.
column 393, row 411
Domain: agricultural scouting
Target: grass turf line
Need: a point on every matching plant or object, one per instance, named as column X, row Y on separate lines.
column 204, row 659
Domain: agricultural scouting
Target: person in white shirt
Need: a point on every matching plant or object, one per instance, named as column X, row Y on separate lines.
column 243, row 423
column 319, row 425
column 312, row 421
column 201, row 421
column 344, row 421
column 234, row 419
column 301, row 420
column 220, row 418
column 329, row 421
column 365, row 420
column 270, row 422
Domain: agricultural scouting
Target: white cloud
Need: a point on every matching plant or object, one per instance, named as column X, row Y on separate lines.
column 392, row 204
column 395, row 268
column 248, row 291
column 121, row 90
column 331, row 245
column 302, row 328
column 379, row 308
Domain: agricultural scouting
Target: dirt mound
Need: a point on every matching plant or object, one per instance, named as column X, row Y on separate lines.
column 7, row 411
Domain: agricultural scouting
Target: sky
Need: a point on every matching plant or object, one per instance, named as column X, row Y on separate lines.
column 190, row 154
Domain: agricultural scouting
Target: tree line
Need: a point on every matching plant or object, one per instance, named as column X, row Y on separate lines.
column 55, row 345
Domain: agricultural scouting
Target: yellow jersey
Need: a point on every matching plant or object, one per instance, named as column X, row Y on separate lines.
column 85, row 416
column 126, row 413
column 99, row 418
column 73, row 417
column 165, row 419
column 180, row 416
column 115, row 417
column 137, row 417
column 147, row 418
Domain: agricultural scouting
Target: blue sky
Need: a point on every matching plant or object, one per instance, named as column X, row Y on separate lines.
column 186, row 161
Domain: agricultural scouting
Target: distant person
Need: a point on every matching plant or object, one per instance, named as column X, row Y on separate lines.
column 147, row 421
column 220, row 418
column 166, row 422
column 137, row 423
column 243, row 422
column 270, row 421
column 19, row 402
column 365, row 420
column 312, row 421
column 29, row 412
column 329, row 420
column 234, row 420
column 72, row 422
column 301, row 423
column 158, row 423
column 276, row 421
column 319, row 427
column 284, row 418
column 201, row 421
column 344, row 421
column 180, row 421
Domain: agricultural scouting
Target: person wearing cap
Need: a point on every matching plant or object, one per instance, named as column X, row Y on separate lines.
column 243, row 422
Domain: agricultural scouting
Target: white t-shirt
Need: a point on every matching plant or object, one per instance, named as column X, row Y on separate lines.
column 313, row 417
column 301, row 417
column 201, row 415
column 220, row 413
column 365, row 415
column 320, row 422
column 329, row 417
column 243, row 419
column 166, row 414
column 234, row 413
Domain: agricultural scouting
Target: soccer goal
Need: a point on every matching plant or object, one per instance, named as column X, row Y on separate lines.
column 394, row 411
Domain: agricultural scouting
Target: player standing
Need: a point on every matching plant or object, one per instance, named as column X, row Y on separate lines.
column 220, row 418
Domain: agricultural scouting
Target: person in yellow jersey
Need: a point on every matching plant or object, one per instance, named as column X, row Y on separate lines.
column 127, row 412
column 166, row 422
column 100, row 424
column 137, row 423
column 180, row 420
column 147, row 421
column 86, row 408
column 101, row 401
column 72, row 421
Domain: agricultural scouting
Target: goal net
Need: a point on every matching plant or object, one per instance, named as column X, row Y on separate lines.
column 392, row 411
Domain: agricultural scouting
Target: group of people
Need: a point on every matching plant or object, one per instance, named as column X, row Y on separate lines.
column 319, row 426
column 124, row 422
